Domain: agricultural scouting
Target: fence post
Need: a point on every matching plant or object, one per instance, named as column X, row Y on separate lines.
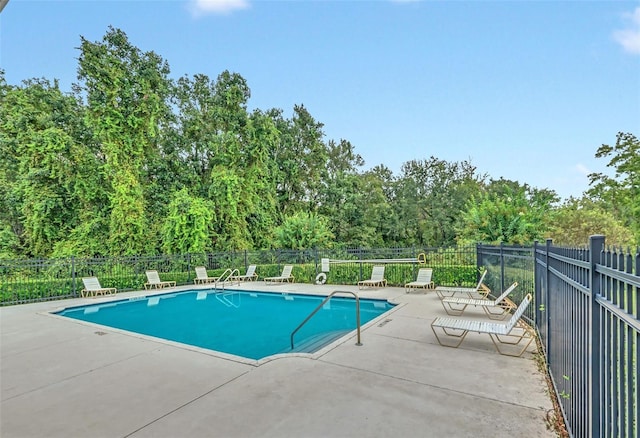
column 189, row 266
column 547, row 301
column 73, row 275
column 536, row 287
column 596, row 245
column 479, row 260
column 501, row 266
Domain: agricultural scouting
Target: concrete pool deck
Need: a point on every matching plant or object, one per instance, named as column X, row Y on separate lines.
column 65, row 378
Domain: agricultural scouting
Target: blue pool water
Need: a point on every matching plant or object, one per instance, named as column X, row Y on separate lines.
column 248, row 324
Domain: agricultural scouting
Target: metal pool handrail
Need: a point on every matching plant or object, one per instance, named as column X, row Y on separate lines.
column 322, row 304
column 229, row 275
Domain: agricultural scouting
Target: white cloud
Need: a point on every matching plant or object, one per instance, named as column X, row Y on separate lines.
column 629, row 38
column 582, row 169
column 220, row 7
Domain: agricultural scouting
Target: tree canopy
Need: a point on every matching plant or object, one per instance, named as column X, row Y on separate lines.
column 620, row 193
column 135, row 162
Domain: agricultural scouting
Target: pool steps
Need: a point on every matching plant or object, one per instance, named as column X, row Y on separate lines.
column 316, row 342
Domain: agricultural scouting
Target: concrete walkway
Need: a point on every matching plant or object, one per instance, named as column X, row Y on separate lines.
column 64, row 378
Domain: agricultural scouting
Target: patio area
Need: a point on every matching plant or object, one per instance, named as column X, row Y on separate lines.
column 65, row 378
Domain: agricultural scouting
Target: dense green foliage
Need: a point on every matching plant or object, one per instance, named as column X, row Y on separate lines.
column 620, row 193
column 126, row 93
column 506, row 213
column 576, row 220
column 187, row 225
column 133, row 162
column 303, row 231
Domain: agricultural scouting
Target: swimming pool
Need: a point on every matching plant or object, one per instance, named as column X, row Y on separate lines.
column 250, row 324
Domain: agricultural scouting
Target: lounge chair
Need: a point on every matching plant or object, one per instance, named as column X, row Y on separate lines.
column 285, row 276
column 249, row 276
column 92, row 288
column 423, row 280
column 495, row 309
column 515, row 330
column 480, row 291
column 377, row 279
column 154, row 281
column 202, row 277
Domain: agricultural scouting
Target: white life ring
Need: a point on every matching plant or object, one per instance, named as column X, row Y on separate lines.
column 321, row 278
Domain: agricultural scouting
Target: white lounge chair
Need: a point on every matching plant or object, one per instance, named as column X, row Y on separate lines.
column 154, row 281
column 515, row 330
column 202, row 277
column 92, row 288
column 377, row 278
column 249, row 276
column 495, row 309
column 423, row 280
column 480, row 291
column 285, row 276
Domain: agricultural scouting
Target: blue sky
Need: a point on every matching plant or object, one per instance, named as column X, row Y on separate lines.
column 525, row 90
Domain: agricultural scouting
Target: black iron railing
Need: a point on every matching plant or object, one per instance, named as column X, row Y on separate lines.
column 587, row 314
column 24, row 281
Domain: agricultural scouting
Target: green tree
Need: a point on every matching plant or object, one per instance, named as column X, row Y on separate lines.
column 506, row 213
column 430, row 197
column 353, row 203
column 225, row 154
column 301, row 157
column 259, row 202
column 9, row 243
column 191, row 157
column 372, row 221
column 577, row 219
column 212, row 123
column 12, row 125
column 621, row 192
column 44, row 145
column 225, row 192
column 303, row 231
column 187, row 227
column 357, row 209
column 126, row 93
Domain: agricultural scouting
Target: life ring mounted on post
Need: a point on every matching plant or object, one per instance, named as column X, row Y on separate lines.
column 321, row 278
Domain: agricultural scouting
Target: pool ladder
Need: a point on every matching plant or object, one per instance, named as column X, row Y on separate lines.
column 223, row 296
column 320, row 307
column 227, row 274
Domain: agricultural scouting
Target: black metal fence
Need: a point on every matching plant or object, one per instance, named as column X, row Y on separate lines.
column 586, row 310
column 24, row 281
column 505, row 265
column 588, row 317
